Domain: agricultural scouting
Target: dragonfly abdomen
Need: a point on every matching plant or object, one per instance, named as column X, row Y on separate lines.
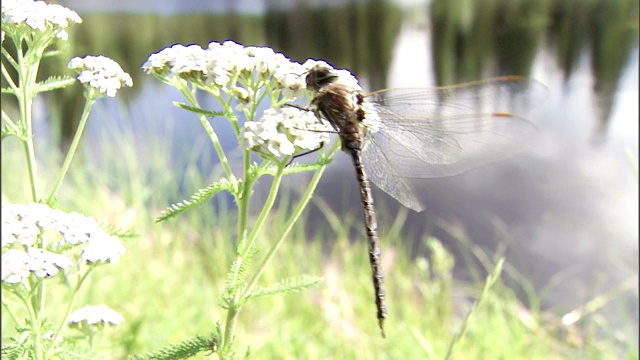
column 371, row 225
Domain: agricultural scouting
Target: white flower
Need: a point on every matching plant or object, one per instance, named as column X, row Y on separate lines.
column 69, row 229
column 39, row 16
column 161, row 61
column 13, row 229
column 14, row 267
column 101, row 73
column 90, row 315
column 46, row 264
column 18, row 264
column 250, row 135
column 100, row 249
column 286, row 131
column 189, row 59
column 279, row 144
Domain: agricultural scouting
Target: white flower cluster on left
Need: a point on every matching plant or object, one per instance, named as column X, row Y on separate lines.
column 39, row 16
column 101, row 73
column 39, row 240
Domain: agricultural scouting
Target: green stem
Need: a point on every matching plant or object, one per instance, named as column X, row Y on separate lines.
column 74, row 144
column 245, row 198
column 7, row 120
column 72, row 303
column 235, row 305
column 32, row 304
column 25, row 103
column 292, row 220
column 16, row 319
column 191, row 98
column 28, row 66
column 5, row 73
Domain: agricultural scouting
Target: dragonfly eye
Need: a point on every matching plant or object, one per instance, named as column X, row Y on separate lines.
column 319, row 77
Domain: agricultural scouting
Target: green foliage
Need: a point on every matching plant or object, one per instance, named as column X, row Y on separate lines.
column 198, row 110
column 288, row 286
column 53, row 83
column 184, row 350
column 199, row 198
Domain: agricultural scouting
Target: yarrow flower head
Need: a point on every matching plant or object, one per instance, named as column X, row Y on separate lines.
column 37, row 15
column 101, row 73
column 285, row 131
column 17, row 265
column 103, row 249
column 226, row 67
column 94, row 316
column 23, row 225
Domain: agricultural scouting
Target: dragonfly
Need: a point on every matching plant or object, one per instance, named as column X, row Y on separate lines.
column 409, row 133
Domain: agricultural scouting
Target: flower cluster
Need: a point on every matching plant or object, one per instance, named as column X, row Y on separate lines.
column 17, row 265
column 38, row 15
column 100, row 73
column 228, row 65
column 242, row 72
column 98, row 315
column 29, row 229
column 285, row 131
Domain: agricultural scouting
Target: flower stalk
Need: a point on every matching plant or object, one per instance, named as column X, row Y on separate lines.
column 40, row 242
column 242, row 79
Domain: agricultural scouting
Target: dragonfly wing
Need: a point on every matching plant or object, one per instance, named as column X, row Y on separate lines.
column 383, row 172
column 434, row 132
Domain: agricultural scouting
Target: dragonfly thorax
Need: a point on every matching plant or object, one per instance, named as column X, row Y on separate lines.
column 339, row 103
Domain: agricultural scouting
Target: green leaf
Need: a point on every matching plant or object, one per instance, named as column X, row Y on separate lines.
column 236, row 276
column 9, row 131
column 54, row 82
column 184, row 350
column 53, row 53
column 199, row 197
column 8, row 90
column 295, row 168
column 119, row 232
column 198, row 110
column 288, row 286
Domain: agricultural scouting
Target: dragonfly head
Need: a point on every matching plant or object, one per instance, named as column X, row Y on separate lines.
column 320, row 76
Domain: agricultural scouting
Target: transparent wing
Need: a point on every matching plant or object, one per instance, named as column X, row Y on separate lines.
column 384, row 173
column 434, row 132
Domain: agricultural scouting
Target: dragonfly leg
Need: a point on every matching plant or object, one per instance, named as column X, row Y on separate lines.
column 305, row 153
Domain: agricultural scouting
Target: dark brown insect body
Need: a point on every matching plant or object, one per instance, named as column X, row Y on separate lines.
column 341, row 105
column 415, row 133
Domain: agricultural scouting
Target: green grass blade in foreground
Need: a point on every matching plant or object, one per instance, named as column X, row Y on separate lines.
column 491, row 280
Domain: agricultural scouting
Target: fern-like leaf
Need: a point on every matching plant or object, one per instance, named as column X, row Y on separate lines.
column 11, row 350
column 9, row 131
column 54, row 82
column 8, row 90
column 295, row 168
column 186, row 349
column 198, row 110
column 198, row 198
column 53, row 53
column 236, row 277
column 119, row 232
column 288, row 286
